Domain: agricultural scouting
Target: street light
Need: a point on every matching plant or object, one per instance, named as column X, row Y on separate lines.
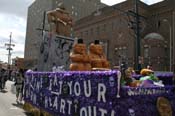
column 170, row 42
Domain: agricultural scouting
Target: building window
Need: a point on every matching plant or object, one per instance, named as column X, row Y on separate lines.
column 104, row 27
column 86, row 32
column 146, row 52
column 98, row 29
column 91, row 31
column 124, row 52
column 72, row 12
column 112, row 25
column 105, row 47
column 81, row 34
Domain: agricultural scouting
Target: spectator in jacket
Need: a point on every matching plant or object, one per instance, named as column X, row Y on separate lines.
column 19, row 81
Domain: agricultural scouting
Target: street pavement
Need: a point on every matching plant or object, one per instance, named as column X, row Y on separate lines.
column 8, row 105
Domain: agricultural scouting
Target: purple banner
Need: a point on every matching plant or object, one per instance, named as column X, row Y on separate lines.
column 92, row 93
column 72, row 93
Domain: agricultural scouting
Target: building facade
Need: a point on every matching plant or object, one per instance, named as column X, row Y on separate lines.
column 3, row 66
column 18, row 63
column 34, row 30
column 37, row 22
column 114, row 27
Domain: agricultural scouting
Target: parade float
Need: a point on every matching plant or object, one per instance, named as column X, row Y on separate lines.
column 95, row 93
column 91, row 88
column 84, row 92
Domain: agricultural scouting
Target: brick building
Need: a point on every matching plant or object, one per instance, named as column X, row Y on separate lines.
column 78, row 9
column 112, row 26
column 3, row 66
column 18, row 63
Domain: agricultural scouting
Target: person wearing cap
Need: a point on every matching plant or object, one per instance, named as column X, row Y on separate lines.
column 148, row 78
column 146, row 72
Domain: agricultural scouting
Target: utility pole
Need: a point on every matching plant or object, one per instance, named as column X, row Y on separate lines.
column 138, row 51
column 43, row 24
column 135, row 25
column 9, row 48
column 136, row 28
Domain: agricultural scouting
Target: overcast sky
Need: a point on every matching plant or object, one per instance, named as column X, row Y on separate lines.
column 13, row 15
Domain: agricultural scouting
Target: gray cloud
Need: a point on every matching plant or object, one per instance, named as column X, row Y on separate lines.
column 13, row 15
column 151, row 1
column 17, row 52
column 2, row 40
column 19, row 40
column 15, row 7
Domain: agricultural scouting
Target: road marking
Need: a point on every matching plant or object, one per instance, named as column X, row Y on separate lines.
column 14, row 108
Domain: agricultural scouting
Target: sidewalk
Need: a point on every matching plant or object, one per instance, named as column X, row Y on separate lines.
column 8, row 105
